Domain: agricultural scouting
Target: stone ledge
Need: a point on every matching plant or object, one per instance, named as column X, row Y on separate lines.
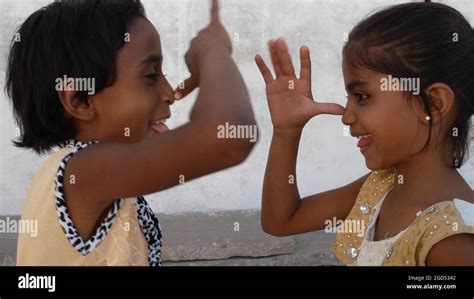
column 219, row 235
column 311, row 249
column 227, row 238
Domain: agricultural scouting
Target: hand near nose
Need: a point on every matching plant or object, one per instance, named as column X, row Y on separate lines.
column 290, row 98
column 206, row 47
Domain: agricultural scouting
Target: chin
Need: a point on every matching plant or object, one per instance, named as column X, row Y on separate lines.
column 373, row 166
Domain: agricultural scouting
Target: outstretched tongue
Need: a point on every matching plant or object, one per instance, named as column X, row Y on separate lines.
column 364, row 142
column 159, row 127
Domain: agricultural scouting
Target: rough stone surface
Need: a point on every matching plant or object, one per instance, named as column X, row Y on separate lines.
column 219, row 235
column 231, row 238
column 311, row 249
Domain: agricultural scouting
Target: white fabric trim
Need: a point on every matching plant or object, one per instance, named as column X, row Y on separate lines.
column 466, row 210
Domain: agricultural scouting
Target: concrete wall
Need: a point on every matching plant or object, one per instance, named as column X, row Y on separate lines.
column 327, row 158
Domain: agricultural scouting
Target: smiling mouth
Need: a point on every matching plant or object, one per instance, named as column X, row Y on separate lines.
column 365, row 141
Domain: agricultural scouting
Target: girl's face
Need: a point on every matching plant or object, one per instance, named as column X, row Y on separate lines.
column 140, row 96
column 393, row 122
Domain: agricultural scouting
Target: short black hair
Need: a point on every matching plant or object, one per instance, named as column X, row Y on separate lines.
column 430, row 41
column 79, row 39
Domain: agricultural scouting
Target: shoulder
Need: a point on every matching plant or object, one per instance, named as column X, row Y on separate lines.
column 455, row 250
column 47, row 172
column 452, row 243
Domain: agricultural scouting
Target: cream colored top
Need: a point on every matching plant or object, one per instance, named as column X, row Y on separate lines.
column 129, row 235
column 411, row 246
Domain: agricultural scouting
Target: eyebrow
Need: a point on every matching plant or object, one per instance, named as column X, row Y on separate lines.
column 353, row 84
column 152, row 59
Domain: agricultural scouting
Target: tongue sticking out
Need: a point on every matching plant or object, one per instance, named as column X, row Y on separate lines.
column 364, row 142
column 159, row 127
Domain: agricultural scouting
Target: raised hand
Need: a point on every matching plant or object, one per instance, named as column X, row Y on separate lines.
column 290, row 98
column 210, row 42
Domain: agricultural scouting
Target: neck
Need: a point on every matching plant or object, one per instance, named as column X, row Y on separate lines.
column 424, row 179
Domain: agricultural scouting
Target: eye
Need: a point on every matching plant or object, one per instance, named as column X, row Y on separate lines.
column 360, row 96
column 154, row 76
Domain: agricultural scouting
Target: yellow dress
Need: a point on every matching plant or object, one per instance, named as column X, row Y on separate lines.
column 411, row 246
column 130, row 235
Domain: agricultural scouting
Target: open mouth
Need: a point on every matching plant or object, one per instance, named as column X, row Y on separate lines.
column 159, row 126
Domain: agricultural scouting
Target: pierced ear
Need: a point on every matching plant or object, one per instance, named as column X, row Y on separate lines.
column 75, row 108
column 442, row 97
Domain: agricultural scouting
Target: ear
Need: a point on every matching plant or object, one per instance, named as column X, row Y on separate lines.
column 75, row 108
column 443, row 98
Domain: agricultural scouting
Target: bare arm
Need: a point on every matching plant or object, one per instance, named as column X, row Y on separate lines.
column 283, row 211
column 452, row 251
column 111, row 170
column 291, row 106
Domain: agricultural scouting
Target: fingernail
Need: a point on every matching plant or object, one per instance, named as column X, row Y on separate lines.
column 177, row 95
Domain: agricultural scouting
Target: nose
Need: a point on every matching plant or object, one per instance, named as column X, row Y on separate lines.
column 167, row 95
column 348, row 118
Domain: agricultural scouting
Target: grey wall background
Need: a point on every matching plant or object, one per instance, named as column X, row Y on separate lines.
column 327, row 158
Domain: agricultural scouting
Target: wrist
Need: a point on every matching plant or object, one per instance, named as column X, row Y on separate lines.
column 212, row 56
column 287, row 133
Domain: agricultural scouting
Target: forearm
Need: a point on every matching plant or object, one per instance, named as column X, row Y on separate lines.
column 223, row 94
column 280, row 197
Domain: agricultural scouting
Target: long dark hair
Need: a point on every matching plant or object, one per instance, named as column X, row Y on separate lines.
column 429, row 41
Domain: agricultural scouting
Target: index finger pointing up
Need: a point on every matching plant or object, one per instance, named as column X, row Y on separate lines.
column 214, row 11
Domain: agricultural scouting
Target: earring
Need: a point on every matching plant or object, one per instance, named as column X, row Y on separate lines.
column 427, row 117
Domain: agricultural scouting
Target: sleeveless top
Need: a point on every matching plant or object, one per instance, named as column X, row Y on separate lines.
column 411, row 246
column 129, row 235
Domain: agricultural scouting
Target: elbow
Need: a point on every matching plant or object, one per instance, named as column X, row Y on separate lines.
column 239, row 151
column 272, row 230
column 237, row 139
